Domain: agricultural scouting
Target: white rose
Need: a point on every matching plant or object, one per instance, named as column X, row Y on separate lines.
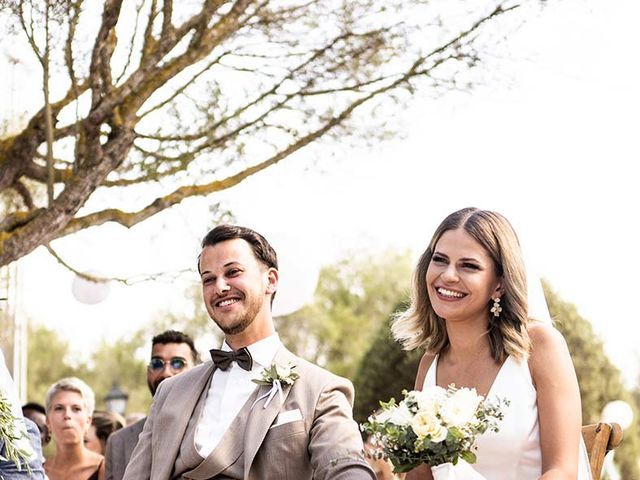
column 430, row 399
column 425, row 425
column 460, row 408
column 283, row 372
column 401, row 415
column 381, row 417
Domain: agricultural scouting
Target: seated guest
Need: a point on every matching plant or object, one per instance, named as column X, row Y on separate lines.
column 103, row 424
column 69, row 406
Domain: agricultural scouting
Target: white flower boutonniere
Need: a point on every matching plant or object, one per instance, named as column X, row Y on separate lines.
column 276, row 376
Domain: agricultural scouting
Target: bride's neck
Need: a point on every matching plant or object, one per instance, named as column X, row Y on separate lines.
column 467, row 344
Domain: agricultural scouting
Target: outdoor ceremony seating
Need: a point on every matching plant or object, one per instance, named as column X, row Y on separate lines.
column 599, row 439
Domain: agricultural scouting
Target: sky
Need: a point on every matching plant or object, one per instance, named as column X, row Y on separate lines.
column 550, row 142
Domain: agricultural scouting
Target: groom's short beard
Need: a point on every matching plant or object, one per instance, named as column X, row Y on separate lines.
column 238, row 328
column 253, row 308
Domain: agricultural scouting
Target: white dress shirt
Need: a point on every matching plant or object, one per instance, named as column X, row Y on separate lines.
column 229, row 391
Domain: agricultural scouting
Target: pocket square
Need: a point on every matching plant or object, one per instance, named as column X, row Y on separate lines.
column 287, row 417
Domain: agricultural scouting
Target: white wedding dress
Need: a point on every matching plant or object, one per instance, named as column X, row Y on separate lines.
column 513, row 453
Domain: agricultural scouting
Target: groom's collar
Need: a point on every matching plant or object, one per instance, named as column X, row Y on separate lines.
column 263, row 351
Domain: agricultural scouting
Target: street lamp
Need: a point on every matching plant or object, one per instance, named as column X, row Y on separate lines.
column 116, row 399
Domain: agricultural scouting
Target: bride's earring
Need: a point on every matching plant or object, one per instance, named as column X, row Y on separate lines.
column 496, row 309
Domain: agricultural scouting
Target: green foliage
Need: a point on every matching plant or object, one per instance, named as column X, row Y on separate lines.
column 10, row 435
column 385, row 371
column 48, row 362
column 599, row 379
column 123, row 363
column 352, row 300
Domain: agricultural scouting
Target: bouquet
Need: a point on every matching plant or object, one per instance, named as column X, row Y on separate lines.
column 434, row 426
column 11, row 436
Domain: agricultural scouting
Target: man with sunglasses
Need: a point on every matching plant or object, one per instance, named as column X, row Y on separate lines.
column 213, row 422
column 172, row 352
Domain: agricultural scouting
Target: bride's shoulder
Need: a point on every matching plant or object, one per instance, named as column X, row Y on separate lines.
column 547, row 345
column 544, row 335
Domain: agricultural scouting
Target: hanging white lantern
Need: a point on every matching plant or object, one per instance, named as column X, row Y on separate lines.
column 89, row 292
column 618, row 411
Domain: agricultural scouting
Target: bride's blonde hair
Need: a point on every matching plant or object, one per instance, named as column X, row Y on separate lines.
column 420, row 326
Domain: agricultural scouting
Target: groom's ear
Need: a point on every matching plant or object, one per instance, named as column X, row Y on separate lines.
column 272, row 280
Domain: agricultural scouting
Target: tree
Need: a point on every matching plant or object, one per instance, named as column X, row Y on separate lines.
column 120, row 362
column 166, row 101
column 48, row 361
column 599, row 379
column 384, row 372
column 353, row 299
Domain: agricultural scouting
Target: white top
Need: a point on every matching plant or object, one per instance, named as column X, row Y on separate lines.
column 514, row 451
column 229, row 391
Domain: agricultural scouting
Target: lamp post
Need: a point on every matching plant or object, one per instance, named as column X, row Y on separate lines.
column 116, row 399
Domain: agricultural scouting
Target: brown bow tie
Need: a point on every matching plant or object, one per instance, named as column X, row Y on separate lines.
column 223, row 358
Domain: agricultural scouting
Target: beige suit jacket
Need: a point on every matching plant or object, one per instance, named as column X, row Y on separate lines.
column 120, row 446
column 323, row 444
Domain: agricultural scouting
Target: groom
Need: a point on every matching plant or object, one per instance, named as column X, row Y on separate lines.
column 213, row 422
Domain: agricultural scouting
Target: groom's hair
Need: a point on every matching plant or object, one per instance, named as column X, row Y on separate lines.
column 262, row 250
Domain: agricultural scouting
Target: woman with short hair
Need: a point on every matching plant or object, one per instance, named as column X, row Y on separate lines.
column 69, row 404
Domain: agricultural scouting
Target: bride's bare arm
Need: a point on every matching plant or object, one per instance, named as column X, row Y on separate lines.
column 559, row 409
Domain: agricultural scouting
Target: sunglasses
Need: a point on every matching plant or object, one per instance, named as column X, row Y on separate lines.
column 176, row 364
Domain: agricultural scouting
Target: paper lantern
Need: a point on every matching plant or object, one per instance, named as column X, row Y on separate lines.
column 88, row 292
column 618, row 411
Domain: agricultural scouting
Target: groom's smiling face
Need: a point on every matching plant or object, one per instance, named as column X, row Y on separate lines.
column 236, row 286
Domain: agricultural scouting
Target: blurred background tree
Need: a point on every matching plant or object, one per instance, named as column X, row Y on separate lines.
column 600, row 381
column 49, row 360
column 353, row 299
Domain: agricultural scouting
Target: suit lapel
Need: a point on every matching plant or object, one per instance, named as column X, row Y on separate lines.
column 176, row 413
column 260, row 418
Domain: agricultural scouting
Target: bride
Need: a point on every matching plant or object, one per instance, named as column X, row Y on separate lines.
column 470, row 311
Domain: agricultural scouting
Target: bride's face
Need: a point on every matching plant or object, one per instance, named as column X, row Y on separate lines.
column 461, row 278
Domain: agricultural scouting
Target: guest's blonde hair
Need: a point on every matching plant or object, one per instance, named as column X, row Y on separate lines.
column 420, row 326
column 72, row 384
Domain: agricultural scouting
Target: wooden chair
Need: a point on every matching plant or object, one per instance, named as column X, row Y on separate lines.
column 599, row 439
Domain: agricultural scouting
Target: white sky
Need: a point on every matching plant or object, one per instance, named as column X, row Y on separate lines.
column 550, row 143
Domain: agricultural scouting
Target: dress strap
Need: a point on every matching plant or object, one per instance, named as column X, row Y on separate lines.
column 96, row 474
column 430, row 377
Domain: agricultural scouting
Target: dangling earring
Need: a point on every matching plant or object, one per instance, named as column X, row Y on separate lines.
column 496, row 309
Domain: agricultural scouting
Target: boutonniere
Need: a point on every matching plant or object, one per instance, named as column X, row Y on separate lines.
column 10, row 436
column 276, row 376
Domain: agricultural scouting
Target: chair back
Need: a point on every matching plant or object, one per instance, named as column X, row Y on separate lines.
column 599, row 439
